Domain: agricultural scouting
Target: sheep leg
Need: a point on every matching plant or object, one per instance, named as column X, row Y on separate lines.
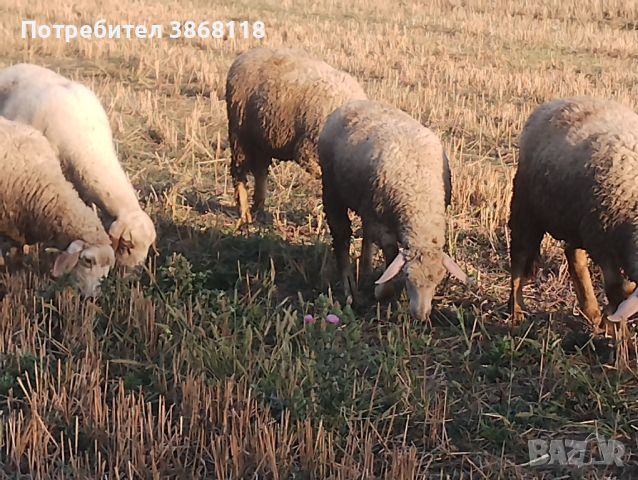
column 341, row 231
column 524, row 249
column 390, row 250
column 628, row 287
column 259, row 170
column 615, row 286
column 239, row 167
column 617, row 289
column 579, row 273
column 367, row 250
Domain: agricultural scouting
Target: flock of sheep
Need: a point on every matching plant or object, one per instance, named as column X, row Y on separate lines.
column 576, row 179
column 57, row 156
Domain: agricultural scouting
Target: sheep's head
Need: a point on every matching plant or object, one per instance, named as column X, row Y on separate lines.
column 132, row 234
column 88, row 264
column 421, row 277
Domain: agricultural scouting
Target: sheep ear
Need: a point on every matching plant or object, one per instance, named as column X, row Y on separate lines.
column 393, row 269
column 626, row 309
column 454, row 268
column 64, row 263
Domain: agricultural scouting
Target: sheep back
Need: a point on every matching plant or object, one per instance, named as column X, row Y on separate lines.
column 72, row 118
column 37, row 203
column 278, row 99
column 577, row 176
column 387, row 167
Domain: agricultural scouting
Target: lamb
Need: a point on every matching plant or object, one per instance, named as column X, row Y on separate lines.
column 72, row 118
column 389, row 169
column 277, row 101
column 577, row 180
column 37, row 204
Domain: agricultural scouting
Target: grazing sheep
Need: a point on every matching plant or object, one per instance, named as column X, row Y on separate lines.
column 72, row 118
column 385, row 166
column 37, row 204
column 577, row 181
column 277, row 102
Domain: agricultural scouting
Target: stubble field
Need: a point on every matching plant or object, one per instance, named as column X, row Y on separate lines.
column 203, row 367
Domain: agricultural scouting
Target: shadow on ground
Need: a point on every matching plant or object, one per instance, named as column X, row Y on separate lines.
column 227, row 258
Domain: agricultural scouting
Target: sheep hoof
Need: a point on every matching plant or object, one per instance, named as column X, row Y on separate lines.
column 245, row 217
column 261, row 216
column 518, row 316
column 243, row 222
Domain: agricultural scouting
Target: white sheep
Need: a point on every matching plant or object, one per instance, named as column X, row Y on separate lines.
column 38, row 204
column 277, row 101
column 392, row 171
column 72, row 118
